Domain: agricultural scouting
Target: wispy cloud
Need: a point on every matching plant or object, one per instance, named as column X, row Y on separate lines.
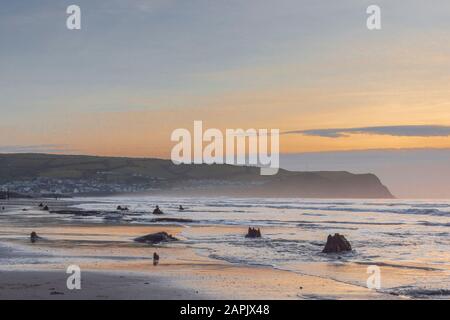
column 397, row 131
column 41, row 148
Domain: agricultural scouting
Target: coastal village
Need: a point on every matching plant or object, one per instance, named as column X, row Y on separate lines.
column 48, row 186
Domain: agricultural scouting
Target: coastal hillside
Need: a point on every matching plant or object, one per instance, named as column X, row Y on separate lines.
column 38, row 174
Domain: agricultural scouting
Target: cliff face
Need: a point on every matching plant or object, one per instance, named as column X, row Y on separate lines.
column 331, row 185
column 162, row 176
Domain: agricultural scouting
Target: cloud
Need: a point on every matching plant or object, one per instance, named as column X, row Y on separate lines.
column 41, row 148
column 397, row 131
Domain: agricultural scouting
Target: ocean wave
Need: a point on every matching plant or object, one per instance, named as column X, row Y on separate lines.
column 421, row 209
column 308, row 225
column 412, row 211
column 250, row 205
column 401, row 266
column 434, row 224
column 420, row 293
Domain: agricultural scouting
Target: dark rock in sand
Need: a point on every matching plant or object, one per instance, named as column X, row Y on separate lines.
column 45, row 208
column 253, row 233
column 34, row 237
column 157, row 211
column 156, row 238
column 337, row 243
column 122, row 208
column 41, row 205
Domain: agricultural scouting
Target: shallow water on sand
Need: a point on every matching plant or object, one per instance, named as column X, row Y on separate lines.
column 408, row 240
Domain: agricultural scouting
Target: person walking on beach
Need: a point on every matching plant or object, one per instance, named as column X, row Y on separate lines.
column 155, row 259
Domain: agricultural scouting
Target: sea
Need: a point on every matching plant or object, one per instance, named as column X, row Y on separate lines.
column 407, row 240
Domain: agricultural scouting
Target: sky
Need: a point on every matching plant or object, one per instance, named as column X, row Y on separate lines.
column 137, row 70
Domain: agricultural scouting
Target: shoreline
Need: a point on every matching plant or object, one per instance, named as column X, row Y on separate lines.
column 194, row 278
column 115, row 267
column 208, row 282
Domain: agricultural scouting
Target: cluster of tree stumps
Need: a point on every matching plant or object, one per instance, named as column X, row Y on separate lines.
column 253, row 233
column 43, row 207
column 337, row 243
